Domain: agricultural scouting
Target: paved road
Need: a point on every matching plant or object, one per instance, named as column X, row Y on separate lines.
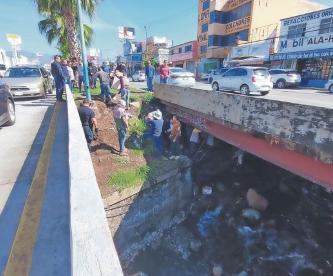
column 16, row 142
column 304, row 96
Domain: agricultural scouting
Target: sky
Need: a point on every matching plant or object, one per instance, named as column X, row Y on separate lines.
column 175, row 19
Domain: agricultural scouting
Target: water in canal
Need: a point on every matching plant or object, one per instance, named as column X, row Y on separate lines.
column 222, row 235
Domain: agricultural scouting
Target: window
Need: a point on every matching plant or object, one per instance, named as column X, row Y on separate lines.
column 227, row 40
column 231, row 73
column 241, row 72
column 204, row 28
column 326, row 26
column 296, row 31
column 203, row 49
column 24, row 72
column 205, row 5
column 172, row 52
column 230, row 16
column 180, row 50
column 188, row 48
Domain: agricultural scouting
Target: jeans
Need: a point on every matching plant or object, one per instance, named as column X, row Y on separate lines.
column 88, row 133
column 60, row 86
column 163, row 80
column 157, row 140
column 122, row 138
column 174, row 148
column 124, row 93
column 150, row 83
column 105, row 91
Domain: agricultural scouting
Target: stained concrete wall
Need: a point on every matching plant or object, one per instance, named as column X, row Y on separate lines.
column 302, row 128
column 152, row 211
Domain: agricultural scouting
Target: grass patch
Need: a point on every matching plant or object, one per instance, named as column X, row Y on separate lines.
column 120, row 160
column 137, row 127
column 129, row 178
column 148, row 149
column 148, row 98
column 134, row 98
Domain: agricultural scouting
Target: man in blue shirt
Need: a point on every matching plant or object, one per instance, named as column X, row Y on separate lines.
column 155, row 122
column 59, row 77
column 150, row 73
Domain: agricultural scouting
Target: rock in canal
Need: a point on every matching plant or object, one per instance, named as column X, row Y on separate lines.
column 256, row 201
column 195, row 245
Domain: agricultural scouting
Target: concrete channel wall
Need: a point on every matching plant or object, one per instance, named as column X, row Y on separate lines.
column 92, row 248
column 302, row 128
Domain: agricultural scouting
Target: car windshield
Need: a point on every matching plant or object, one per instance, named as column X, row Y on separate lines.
column 261, row 72
column 25, row 72
column 178, row 70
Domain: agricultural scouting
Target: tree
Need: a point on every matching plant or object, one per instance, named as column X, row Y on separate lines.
column 53, row 27
column 68, row 9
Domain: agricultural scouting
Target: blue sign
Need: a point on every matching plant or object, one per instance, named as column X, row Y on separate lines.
column 323, row 53
column 137, row 57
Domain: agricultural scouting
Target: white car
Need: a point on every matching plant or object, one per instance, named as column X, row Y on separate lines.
column 179, row 77
column 245, row 80
column 282, row 78
column 329, row 85
column 216, row 72
column 139, row 76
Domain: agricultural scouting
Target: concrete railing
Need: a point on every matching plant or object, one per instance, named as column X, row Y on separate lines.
column 92, row 248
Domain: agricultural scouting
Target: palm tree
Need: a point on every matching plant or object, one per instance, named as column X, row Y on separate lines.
column 53, row 27
column 68, row 9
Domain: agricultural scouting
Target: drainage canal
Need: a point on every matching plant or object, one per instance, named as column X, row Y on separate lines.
column 228, row 214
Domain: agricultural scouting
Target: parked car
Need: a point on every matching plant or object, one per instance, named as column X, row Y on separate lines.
column 329, row 85
column 139, row 76
column 28, row 81
column 245, row 80
column 283, row 78
column 7, row 106
column 215, row 73
column 179, row 77
column 2, row 70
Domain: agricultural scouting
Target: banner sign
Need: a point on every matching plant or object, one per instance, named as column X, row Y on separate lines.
column 14, row 39
column 320, row 53
column 126, row 33
column 238, row 25
column 233, row 4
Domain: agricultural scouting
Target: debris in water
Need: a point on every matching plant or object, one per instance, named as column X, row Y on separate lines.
column 207, row 190
column 251, row 215
column 217, row 270
column 207, row 219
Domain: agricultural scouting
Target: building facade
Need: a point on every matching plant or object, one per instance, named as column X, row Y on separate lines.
column 236, row 22
column 185, row 55
column 306, row 45
column 157, row 48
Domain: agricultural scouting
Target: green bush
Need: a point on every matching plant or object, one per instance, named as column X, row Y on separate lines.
column 134, row 98
column 137, row 127
column 129, row 178
column 148, row 97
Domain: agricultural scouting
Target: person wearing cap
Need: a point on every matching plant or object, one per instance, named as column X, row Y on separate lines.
column 88, row 120
column 121, row 119
column 155, row 122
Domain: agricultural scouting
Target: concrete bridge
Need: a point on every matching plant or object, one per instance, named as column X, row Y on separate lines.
column 296, row 137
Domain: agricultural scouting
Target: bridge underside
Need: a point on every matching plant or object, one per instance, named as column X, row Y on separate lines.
column 267, row 149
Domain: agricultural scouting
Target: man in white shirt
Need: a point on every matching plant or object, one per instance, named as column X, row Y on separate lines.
column 71, row 75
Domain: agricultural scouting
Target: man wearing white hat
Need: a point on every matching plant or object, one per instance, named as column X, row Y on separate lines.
column 121, row 119
column 155, row 121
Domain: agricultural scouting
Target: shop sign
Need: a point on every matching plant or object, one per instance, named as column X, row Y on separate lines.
column 136, row 57
column 259, row 49
column 233, row 4
column 305, row 18
column 238, row 25
column 321, row 53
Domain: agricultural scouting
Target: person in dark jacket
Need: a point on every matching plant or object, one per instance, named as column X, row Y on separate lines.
column 88, row 120
column 59, row 78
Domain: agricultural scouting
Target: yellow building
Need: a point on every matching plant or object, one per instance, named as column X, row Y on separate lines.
column 226, row 23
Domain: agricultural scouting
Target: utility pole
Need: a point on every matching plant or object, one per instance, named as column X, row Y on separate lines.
column 84, row 53
column 146, row 50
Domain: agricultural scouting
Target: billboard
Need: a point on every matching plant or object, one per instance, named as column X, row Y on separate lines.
column 14, row 39
column 126, row 33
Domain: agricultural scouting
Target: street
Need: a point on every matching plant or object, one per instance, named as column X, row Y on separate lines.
column 304, row 96
column 20, row 140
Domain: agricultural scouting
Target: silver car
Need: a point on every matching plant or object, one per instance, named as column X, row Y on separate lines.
column 329, row 85
column 245, row 80
column 282, row 78
column 28, row 81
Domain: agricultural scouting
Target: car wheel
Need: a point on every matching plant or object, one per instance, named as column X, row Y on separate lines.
column 245, row 90
column 281, row 84
column 11, row 113
column 264, row 93
column 215, row 86
column 331, row 88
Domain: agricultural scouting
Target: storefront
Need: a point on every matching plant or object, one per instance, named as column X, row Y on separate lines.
column 306, row 45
